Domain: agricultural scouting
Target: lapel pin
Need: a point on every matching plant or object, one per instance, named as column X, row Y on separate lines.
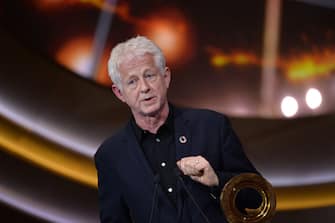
column 182, row 139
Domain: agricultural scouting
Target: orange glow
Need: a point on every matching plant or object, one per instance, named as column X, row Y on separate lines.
column 220, row 59
column 76, row 54
column 168, row 27
column 102, row 73
column 170, row 30
column 51, row 4
column 244, row 58
column 123, row 11
column 120, row 9
column 309, row 66
column 295, row 68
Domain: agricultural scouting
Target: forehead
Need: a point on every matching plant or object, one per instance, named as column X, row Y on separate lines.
column 132, row 61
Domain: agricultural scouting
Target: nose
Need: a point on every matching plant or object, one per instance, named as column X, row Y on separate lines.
column 145, row 87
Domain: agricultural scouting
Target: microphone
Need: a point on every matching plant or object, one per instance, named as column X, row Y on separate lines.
column 154, row 197
column 179, row 176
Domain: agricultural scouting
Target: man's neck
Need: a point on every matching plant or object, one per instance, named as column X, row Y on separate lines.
column 152, row 123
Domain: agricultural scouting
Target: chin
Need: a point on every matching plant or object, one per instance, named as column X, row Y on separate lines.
column 152, row 111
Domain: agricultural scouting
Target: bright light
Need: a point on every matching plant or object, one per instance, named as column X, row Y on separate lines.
column 313, row 98
column 172, row 33
column 289, row 106
column 76, row 54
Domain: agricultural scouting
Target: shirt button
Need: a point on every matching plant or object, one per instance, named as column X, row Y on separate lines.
column 158, row 140
column 170, row 189
column 163, row 164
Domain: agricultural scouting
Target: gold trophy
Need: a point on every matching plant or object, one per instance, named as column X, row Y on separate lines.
column 251, row 182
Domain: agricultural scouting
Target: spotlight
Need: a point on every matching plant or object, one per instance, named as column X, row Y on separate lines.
column 76, row 54
column 313, row 98
column 289, row 106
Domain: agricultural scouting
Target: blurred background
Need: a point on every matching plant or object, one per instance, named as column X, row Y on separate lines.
column 268, row 64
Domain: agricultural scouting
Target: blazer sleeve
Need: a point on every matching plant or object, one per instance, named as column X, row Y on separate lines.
column 112, row 206
column 234, row 160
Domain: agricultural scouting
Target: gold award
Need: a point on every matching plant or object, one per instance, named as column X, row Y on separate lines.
column 250, row 181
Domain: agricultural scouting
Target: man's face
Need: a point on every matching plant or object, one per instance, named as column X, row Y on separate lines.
column 144, row 87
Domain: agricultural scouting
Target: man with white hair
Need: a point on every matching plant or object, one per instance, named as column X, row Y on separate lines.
column 168, row 164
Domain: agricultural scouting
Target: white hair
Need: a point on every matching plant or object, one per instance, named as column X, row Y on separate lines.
column 138, row 46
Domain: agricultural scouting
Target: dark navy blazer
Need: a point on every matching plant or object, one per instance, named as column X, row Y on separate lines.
column 126, row 183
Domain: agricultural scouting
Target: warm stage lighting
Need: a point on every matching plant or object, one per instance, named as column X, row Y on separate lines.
column 310, row 65
column 76, row 55
column 313, row 98
column 170, row 30
column 289, row 106
column 51, row 4
column 219, row 58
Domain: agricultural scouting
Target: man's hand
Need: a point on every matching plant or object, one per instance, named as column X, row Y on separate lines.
column 199, row 169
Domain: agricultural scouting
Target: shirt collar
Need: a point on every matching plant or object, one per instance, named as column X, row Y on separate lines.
column 139, row 132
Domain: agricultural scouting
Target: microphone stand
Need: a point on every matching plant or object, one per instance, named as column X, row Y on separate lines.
column 154, row 197
column 178, row 174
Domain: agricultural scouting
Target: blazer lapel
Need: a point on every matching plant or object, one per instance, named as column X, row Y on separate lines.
column 137, row 159
column 183, row 142
column 183, row 138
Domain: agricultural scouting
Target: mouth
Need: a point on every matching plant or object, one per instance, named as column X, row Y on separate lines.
column 148, row 98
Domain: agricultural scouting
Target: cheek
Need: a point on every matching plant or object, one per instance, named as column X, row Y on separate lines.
column 134, row 97
column 163, row 90
column 128, row 96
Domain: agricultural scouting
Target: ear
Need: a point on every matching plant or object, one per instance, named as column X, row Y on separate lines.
column 167, row 76
column 117, row 92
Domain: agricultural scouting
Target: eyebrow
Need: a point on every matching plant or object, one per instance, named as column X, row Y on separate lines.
column 146, row 70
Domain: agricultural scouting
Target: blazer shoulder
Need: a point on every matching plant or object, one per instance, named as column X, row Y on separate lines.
column 110, row 144
column 205, row 115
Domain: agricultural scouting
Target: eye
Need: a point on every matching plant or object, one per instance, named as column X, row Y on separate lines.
column 132, row 82
column 150, row 76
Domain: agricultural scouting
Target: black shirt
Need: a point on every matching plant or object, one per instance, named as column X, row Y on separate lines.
column 160, row 152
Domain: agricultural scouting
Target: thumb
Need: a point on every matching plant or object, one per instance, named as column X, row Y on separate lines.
column 178, row 163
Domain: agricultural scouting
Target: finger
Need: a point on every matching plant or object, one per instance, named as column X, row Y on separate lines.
column 193, row 165
column 201, row 164
column 188, row 167
column 181, row 167
column 192, row 161
column 195, row 178
column 178, row 164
